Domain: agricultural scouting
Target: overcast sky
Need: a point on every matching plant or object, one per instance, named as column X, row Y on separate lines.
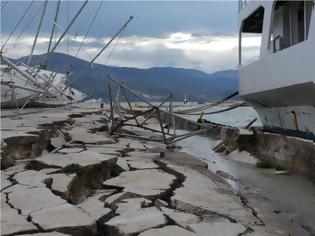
column 188, row 34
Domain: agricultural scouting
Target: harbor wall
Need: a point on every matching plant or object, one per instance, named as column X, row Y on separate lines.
column 294, row 154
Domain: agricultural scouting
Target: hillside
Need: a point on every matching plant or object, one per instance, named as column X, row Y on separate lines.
column 156, row 82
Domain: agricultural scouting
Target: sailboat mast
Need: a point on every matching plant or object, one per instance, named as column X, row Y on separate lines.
column 37, row 33
column 102, row 50
column 68, row 27
column 54, row 26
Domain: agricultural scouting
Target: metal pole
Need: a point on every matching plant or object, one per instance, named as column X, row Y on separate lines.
column 129, row 104
column 131, row 91
column 161, row 125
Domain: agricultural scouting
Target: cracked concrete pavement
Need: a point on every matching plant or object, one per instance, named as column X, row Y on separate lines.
column 95, row 184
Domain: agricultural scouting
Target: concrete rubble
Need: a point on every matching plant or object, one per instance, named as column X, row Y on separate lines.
column 102, row 185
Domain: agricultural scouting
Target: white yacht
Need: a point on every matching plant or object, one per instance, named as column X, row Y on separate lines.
column 17, row 91
column 280, row 84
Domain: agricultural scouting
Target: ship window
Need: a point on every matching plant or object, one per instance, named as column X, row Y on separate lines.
column 291, row 23
column 250, row 37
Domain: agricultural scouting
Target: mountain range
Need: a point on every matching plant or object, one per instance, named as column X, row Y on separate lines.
column 156, row 82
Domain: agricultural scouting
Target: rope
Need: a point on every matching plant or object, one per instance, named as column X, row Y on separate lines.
column 223, row 110
column 111, row 52
column 205, row 107
column 90, row 26
column 26, row 27
column 17, row 25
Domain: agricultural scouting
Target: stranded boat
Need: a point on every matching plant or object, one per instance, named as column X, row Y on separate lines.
column 280, row 85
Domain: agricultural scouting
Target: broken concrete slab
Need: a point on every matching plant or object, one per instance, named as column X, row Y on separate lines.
column 160, row 203
column 132, row 204
column 71, row 150
column 148, row 183
column 169, row 230
column 123, row 164
column 218, row 227
column 85, row 158
column 132, row 222
column 140, row 163
column 61, row 182
column 31, row 178
column 181, row 218
column 29, row 199
column 81, row 134
column 208, row 196
column 129, row 143
column 12, row 222
column 65, row 218
column 96, row 208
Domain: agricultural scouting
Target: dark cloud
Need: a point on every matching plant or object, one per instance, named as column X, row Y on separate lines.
column 155, row 19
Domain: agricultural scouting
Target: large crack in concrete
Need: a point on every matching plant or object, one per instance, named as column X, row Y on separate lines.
column 251, row 209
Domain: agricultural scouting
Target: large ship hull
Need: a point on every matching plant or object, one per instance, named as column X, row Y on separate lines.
column 294, row 115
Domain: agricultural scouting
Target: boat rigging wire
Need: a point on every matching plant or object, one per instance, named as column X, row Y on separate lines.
column 18, row 23
column 37, row 33
column 115, row 45
column 207, row 106
column 89, row 28
column 54, row 26
column 26, row 27
column 4, row 3
column 101, row 51
column 68, row 27
column 220, row 111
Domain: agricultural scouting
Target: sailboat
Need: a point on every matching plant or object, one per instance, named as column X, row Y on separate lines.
column 22, row 85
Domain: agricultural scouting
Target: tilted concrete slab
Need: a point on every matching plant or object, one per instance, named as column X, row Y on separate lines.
column 181, row 218
column 61, row 182
column 132, row 222
column 65, row 218
column 149, row 183
column 169, row 230
column 123, row 164
column 96, row 208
